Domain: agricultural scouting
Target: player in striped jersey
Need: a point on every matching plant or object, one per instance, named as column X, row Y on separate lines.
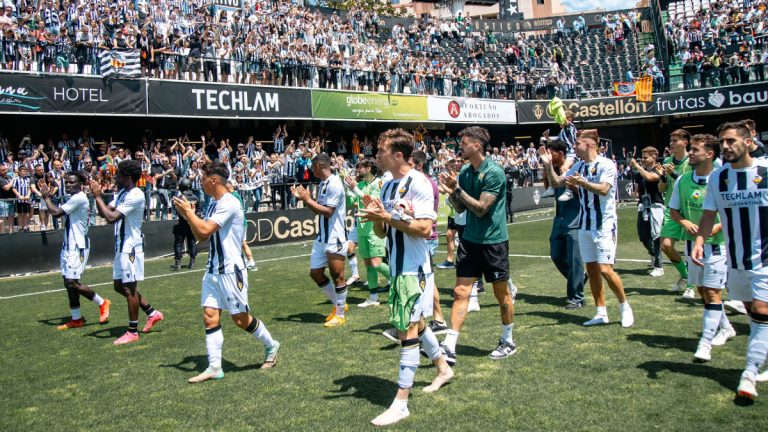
column 685, row 208
column 225, row 284
column 403, row 214
column 75, row 248
column 595, row 176
column 738, row 192
column 330, row 246
column 126, row 212
column 674, row 166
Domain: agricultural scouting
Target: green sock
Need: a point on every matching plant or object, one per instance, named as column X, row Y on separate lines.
column 373, row 278
column 383, row 269
column 682, row 269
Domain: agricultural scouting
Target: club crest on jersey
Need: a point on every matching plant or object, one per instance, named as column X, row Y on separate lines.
column 481, row 176
column 593, row 170
column 757, row 179
column 401, row 190
column 696, row 195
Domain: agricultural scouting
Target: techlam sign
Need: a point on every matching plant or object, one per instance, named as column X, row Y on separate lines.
column 468, row 110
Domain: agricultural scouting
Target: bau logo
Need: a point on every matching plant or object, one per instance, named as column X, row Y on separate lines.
column 454, row 109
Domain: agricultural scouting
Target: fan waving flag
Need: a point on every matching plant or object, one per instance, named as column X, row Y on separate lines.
column 644, row 89
column 120, row 64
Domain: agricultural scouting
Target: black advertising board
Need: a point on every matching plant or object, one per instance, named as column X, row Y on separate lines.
column 27, row 93
column 195, row 99
column 663, row 104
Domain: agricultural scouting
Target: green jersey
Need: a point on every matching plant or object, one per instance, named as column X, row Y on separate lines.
column 687, row 197
column 681, row 167
column 356, row 200
column 488, row 178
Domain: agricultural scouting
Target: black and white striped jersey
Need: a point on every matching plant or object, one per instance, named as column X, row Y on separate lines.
column 741, row 198
column 128, row 235
column 76, row 222
column 330, row 193
column 596, row 212
column 224, row 254
column 409, row 255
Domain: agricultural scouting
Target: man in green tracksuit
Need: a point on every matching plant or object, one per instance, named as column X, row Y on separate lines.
column 675, row 166
column 370, row 247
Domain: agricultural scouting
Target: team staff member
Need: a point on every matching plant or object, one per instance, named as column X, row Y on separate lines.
column 674, row 166
column 564, row 238
column 595, row 177
column 181, row 231
column 685, row 207
column 225, row 284
column 75, row 248
column 484, row 247
column 650, row 205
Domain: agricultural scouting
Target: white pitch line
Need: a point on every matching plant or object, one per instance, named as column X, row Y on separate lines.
column 148, row 277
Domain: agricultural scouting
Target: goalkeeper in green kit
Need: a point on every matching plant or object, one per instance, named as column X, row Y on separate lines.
column 370, row 247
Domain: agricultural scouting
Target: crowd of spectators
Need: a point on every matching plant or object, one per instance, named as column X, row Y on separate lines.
column 261, row 170
column 722, row 43
column 278, row 42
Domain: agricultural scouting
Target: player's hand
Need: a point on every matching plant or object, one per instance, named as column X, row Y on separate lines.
column 545, row 155
column 575, row 180
column 448, row 181
column 95, row 188
column 691, row 228
column 633, row 163
column 300, row 192
column 374, row 212
column 697, row 254
column 45, row 191
column 350, row 182
column 183, row 207
column 367, row 200
column 669, row 168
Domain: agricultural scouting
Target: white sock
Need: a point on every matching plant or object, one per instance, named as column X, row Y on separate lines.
column 75, row 312
column 757, row 346
column 506, row 332
column 97, row 299
column 329, row 289
column 725, row 324
column 374, row 297
column 262, row 334
column 341, row 300
column 711, row 320
column 399, row 404
column 409, row 362
column 602, row 311
column 214, row 341
column 353, row 266
column 473, row 294
column 624, row 306
column 430, row 344
column 450, row 340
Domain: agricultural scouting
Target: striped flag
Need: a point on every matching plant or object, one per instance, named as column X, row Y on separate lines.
column 120, row 64
column 644, row 89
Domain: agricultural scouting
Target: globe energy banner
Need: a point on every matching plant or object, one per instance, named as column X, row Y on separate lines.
column 340, row 105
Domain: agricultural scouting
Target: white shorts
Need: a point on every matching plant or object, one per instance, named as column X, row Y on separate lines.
column 597, row 246
column 426, row 304
column 73, row 263
column 352, row 237
column 712, row 275
column 320, row 251
column 128, row 267
column 228, row 291
column 748, row 285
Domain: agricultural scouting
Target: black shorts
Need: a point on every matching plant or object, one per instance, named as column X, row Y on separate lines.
column 23, row 208
column 452, row 224
column 488, row 260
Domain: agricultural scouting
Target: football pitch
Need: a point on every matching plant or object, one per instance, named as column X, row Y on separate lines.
column 565, row 377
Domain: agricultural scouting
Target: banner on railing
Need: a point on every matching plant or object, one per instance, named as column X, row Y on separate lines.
column 338, row 105
column 120, row 64
column 194, row 99
column 69, row 94
column 469, row 110
column 623, row 88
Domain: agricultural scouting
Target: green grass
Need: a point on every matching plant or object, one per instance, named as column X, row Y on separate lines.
column 564, row 377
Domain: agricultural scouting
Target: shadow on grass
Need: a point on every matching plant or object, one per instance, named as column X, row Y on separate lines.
column 109, row 333
column 375, row 329
column 728, row 378
column 198, row 363
column 635, row 272
column 55, row 322
column 304, row 317
column 649, row 291
column 560, row 317
column 375, row 390
column 666, row 342
column 541, row 299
